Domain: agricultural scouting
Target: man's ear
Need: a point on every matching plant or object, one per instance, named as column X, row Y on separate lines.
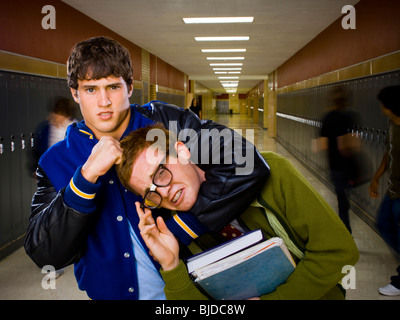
column 183, row 152
column 130, row 89
column 75, row 96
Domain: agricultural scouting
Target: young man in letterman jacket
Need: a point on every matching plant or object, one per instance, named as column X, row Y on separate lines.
column 82, row 214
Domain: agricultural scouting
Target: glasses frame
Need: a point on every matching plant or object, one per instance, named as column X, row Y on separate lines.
column 154, row 186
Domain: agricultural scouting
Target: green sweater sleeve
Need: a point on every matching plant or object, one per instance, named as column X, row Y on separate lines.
column 179, row 286
column 328, row 244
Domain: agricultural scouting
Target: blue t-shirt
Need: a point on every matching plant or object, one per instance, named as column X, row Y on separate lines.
column 151, row 284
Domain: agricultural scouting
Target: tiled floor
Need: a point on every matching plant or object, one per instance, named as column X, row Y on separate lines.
column 21, row 279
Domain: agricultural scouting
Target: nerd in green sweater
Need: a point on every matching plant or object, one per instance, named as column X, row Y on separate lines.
column 288, row 207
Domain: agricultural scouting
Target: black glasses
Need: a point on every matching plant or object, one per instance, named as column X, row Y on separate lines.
column 162, row 178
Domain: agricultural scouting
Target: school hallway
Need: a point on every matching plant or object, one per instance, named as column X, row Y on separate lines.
column 20, row 279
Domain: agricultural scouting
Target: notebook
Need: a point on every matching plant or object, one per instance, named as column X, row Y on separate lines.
column 250, row 272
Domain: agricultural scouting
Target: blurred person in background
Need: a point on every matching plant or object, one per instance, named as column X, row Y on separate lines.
column 62, row 113
column 342, row 148
column 195, row 107
column 51, row 131
column 388, row 220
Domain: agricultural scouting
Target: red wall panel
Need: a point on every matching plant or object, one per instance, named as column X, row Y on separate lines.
column 377, row 33
column 21, row 32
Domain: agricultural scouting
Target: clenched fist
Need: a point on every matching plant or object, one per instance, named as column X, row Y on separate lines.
column 105, row 154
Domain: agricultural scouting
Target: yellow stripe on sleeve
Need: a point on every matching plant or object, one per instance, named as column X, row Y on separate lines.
column 79, row 192
column 184, row 226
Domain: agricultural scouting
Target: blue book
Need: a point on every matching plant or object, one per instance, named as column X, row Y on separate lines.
column 252, row 272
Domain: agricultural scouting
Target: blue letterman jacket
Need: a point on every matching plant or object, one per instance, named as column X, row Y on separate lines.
column 109, row 251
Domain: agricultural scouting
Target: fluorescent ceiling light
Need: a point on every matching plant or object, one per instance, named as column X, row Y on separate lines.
column 234, row 72
column 223, row 50
column 228, row 77
column 227, row 69
column 225, row 58
column 219, row 20
column 230, row 85
column 221, row 72
column 238, row 38
column 226, row 64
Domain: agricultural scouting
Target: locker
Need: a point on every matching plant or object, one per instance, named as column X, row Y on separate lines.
column 5, row 196
column 14, row 108
column 22, row 137
column 24, row 102
column 37, row 111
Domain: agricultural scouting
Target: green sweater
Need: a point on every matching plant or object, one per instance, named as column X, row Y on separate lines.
column 311, row 224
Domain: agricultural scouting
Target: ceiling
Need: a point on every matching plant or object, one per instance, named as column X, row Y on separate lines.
column 280, row 28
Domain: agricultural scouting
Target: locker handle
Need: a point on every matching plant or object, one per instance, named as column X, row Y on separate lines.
column 378, row 135
column 12, row 143
column 22, row 141
column 32, row 135
column 372, row 133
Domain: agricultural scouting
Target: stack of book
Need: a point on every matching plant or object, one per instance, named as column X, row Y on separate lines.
column 245, row 267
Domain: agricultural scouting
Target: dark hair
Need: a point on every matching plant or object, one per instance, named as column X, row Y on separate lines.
column 64, row 107
column 340, row 97
column 98, row 58
column 390, row 98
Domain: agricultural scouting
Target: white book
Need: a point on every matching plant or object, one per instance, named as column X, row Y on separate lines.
column 224, row 250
